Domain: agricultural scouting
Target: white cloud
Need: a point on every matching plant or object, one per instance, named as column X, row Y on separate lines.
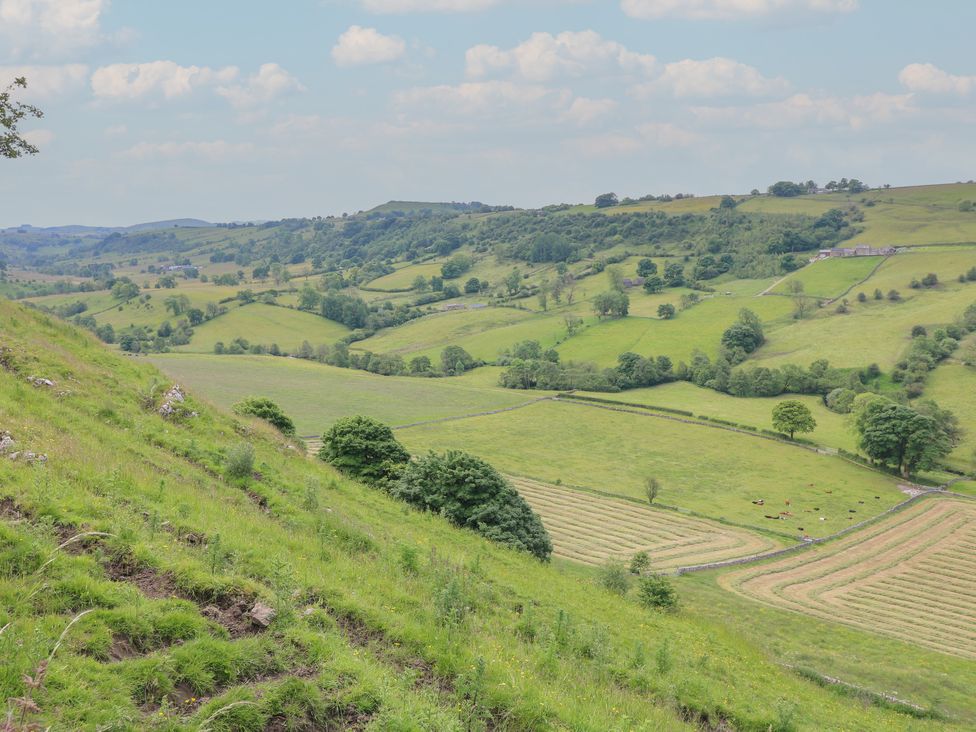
column 544, row 56
column 729, row 9
column 358, row 46
column 213, row 150
column 427, row 6
column 605, row 146
column 803, row 110
column 270, row 82
column 135, row 81
column 666, row 134
column 584, row 111
column 46, row 81
column 39, row 138
column 929, row 78
column 481, row 97
column 42, row 27
column 713, row 77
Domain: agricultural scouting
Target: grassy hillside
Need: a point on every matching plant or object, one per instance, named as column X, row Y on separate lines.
column 315, row 395
column 385, row 619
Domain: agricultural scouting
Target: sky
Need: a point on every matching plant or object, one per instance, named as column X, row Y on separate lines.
column 250, row 110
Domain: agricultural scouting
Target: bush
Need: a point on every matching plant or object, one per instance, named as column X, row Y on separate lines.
column 639, row 563
column 267, row 410
column 471, row 494
column 614, row 577
column 239, row 462
column 363, row 447
column 656, row 591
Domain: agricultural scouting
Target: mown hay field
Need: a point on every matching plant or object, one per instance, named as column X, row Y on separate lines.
column 591, row 529
column 713, row 472
column 910, row 576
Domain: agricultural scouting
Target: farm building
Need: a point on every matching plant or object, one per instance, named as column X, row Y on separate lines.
column 633, row 281
column 862, row 250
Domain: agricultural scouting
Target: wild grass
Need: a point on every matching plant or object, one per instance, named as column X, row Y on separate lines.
column 356, row 638
column 265, row 324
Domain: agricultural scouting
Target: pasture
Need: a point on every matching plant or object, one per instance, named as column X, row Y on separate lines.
column 877, row 330
column 909, row 576
column 265, row 324
column 714, row 472
column 829, row 278
column 698, row 328
column 484, row 333
column 315, row 395
column 910, row 216
column 591, row 529
column 832, row 429
column 953, row 385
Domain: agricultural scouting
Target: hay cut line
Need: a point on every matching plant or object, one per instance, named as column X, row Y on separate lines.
column 911, row 576
column 590, row 529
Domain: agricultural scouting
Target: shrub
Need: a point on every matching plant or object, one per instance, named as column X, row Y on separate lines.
column 267, row 410
column 239, row 462
column 470, row 493
column 639, row 563
column 363, row 447
column 656, row 591
column 614, row 577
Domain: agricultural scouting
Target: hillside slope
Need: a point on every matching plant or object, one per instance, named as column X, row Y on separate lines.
column 138, row 584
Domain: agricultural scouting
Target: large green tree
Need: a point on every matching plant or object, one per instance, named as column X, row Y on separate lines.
column 903, row 437
column 793, row 416
column 363, row 447
column 265, row 409
column 12, row 143
column 470, row 493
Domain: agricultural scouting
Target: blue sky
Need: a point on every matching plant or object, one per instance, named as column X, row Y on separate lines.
column 254, row 110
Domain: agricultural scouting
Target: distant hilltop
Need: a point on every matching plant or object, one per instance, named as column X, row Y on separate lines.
column 438, row 207
column 78, row 229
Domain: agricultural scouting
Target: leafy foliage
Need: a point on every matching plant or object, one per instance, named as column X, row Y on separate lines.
column 363, row 447
column 792, row 416
column 472, row 494
column 264, row 408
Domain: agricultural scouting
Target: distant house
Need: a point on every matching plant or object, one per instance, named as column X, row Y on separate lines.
column 861, row 250
column 179, row 267
column 633, row 281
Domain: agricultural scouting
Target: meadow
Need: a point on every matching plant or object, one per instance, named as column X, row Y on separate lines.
column 315, row 395
column 830, row 278
column 953, row 385
column 713, row 472
column 832, row 429
column 265, row 324
column 384, row 616
column 698, row 328
column 591, row 529
column 909, row 577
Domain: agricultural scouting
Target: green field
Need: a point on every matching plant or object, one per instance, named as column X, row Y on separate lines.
column 909, row 216
column 714, row 472
column 830, row 277
column 832, row 428
column 699, row 328
column 358, row 581
column 315, row 395
column 483, row 333
column 953, row 385
column 265, row 324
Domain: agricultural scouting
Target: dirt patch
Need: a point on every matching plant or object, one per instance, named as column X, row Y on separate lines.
column 232, row 611
column 912, row 490
column 122, row 648
column 10, row 511
column 260, row 501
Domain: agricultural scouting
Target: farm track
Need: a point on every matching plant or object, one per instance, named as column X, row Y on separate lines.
column 590, row 529
column 912, row 576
